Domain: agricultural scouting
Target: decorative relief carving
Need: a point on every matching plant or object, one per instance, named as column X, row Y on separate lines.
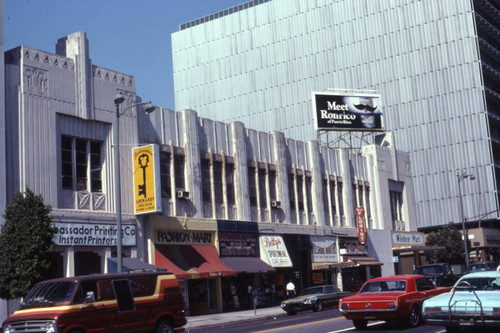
column 36, row 81
column 99, row 201
column 381, row 162
column 104, row 74
column 46, row 58
column 83, row 200
column 408, row 168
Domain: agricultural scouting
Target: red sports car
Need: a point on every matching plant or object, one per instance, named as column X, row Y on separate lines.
column 397, row 297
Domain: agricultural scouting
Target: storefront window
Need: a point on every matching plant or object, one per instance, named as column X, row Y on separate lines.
column 179, row 172
column 81, row 160
column 166, row 191
column 309, row 194
column 230, row 183
column 262, row 188
column 333, row 201
column 218, row 188
column 205, row 180
column 252, row 188
column 300, row 192
column 341, row 200
column 291, row 190
column 202, row 295
column 272, row 184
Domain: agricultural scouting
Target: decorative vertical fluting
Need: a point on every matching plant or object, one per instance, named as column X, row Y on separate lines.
column 347, row 195
column 316, row 186
column 76, row 47
column 241, row 171
column 283, row 192
column 192, row 161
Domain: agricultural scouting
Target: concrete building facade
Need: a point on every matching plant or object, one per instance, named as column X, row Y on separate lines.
column 435, row 65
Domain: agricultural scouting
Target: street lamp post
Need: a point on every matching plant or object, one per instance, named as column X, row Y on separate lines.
column 460, row 177
column 118, row 200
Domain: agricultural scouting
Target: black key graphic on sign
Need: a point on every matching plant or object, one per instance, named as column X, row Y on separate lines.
column 143, row 162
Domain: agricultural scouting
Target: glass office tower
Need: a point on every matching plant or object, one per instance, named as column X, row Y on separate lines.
column 434, row 63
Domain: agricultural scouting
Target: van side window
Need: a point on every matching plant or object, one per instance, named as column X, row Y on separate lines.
column 124, row 296
column 106, row 292
column 84, row 288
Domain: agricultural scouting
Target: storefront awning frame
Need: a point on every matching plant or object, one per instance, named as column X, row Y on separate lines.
column 191, row 261
column 363, row 260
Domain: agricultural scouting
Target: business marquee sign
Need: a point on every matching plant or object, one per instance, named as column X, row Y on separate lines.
column 273, row 251
column 324, row 249
column 232, row 244
column 84, row 234
column 344, row 112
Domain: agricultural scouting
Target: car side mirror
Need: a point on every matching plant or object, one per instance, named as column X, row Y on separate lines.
column 90, row 297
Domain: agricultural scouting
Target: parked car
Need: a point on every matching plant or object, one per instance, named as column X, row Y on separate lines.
column 397, row 297
column 314, row 298
column 441, row 274
column 482, row 266
column 473, row 301
column 122, row 302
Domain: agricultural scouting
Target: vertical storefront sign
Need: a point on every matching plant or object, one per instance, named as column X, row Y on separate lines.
column 147, row 188
column 273, row 251
column 360, row 217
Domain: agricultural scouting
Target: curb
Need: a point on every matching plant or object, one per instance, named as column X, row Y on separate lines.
column 230, row 322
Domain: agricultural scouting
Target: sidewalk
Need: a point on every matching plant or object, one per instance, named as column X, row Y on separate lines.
column 217, row 319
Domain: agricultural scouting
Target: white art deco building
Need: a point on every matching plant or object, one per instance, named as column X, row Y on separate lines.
column 218, row 182
column 434, row 63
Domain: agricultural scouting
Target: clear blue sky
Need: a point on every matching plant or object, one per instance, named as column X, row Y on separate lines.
column 129, row 36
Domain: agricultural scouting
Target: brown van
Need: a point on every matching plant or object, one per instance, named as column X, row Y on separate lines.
column 121, row 302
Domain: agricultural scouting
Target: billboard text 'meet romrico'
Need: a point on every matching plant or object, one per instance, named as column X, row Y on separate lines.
column 343, row 112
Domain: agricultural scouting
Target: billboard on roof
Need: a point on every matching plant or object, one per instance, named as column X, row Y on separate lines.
column 347, row 112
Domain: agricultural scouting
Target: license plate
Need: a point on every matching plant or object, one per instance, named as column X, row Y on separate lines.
column 466, row 322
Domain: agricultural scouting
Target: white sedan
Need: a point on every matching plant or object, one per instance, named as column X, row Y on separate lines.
column 474, row 301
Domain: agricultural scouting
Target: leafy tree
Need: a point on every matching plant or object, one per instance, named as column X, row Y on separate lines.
column 26, row 245
column 450, row 239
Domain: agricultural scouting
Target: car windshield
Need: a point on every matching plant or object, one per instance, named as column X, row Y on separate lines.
column 478, row 283
column 52, row 292
column 430, row 270
column 312, row 291
column 383, row 286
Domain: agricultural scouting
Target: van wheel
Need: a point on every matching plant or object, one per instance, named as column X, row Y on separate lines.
column 165, row 326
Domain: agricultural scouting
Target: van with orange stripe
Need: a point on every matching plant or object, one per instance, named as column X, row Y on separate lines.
column 121, row 302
